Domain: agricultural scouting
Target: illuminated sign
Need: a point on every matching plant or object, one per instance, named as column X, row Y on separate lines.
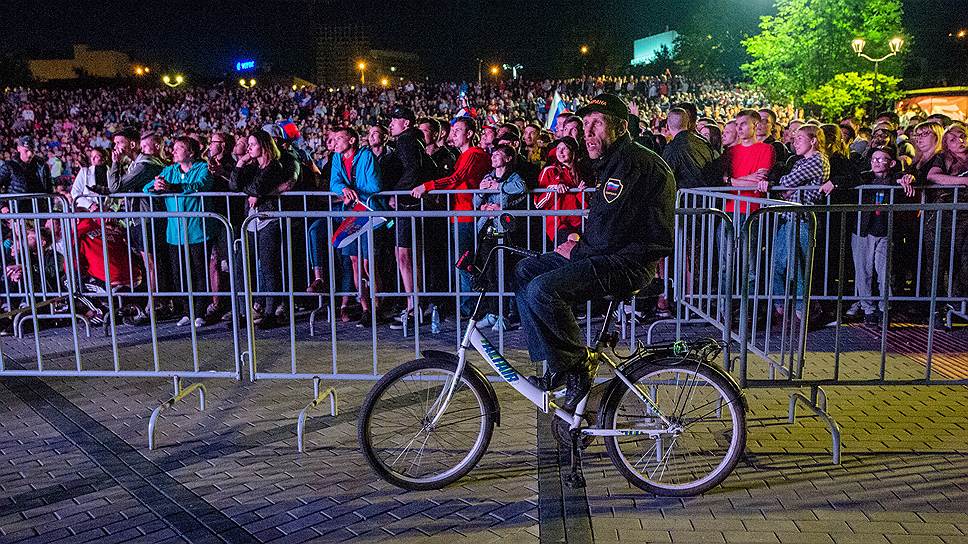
column 244, row 65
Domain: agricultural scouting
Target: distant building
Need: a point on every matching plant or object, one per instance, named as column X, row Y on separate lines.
column 645, row 49
column 338, row 50
column 86, row 62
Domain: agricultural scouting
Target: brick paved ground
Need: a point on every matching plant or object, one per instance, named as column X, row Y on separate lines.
column 74, row 463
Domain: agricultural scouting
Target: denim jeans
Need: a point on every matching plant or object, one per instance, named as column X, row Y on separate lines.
column 549, row 285
column 791, row 245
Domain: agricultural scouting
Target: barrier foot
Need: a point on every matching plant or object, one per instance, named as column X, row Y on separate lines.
column 312, row 318
column 817, row 403
column 319, row 397
column 179, row 395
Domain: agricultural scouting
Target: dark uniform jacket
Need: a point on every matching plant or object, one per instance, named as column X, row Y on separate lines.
column 632, row 211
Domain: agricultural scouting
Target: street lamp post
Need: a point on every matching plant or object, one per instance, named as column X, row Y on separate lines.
column 584, row 59
column 895, row 46
column 514, row 69
column 362, row 66
column 173, row 82
column 480, row 65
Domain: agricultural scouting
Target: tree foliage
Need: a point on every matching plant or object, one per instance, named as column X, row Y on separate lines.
column 851, row 93
column 808, row 42
column 711, row 47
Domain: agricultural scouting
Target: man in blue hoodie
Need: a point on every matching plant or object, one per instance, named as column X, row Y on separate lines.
column 356, row 176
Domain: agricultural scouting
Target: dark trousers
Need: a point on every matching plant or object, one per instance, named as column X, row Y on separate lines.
column 549, row 285
column 196, row 266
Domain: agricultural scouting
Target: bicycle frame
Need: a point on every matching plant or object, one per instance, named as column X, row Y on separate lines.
column 473, row 338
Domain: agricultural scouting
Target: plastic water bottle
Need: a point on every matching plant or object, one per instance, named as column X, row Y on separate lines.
column 435, row 321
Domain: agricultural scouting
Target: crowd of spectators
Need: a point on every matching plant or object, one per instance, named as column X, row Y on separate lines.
column 418, row 138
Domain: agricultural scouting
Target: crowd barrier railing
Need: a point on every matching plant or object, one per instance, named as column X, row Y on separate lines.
column 83, row 266
column 924, row 240
column 717, row 272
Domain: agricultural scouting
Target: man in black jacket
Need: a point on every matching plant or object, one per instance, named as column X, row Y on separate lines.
column 25, row 172
column 689, row 155
column 629, row 228
column 407, row 166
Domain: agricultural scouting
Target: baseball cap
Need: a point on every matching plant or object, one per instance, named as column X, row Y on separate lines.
column 403, row 112
column 25, row 141
column 606, row 103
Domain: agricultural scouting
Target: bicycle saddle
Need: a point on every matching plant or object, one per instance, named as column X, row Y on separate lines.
column 619, row 296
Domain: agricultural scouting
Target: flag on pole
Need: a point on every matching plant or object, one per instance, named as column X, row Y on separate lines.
column 557, row 106
column 353, row 227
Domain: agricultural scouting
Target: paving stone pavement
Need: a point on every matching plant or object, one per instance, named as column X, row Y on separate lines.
column 74, row 463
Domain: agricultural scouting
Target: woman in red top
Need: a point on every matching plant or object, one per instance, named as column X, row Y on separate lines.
column 561, row 176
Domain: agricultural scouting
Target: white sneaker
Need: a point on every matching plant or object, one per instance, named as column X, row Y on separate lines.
column 488, row 322
column 199, row 322
column 183, row 321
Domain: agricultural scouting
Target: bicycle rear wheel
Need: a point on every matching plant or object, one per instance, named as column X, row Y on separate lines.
column 396, row 432
column 708, row 432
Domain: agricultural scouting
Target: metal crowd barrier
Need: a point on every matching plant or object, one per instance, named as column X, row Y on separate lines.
column 925, row 248
column 75, row 262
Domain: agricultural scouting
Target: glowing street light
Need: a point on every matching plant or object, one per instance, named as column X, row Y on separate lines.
column 248, row 84
column 173, row 81
column 384, row 81
column 895, row 45
column 495, row 70
column 584, row 49
column 962, row 33
column 514, row 69
column 362, row 66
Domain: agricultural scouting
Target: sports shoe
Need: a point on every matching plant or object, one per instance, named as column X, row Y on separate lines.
column 853, row 311
column 185, row 320
column 398, row 320
column 580, row 382
column 199, row 322
column 489, row 321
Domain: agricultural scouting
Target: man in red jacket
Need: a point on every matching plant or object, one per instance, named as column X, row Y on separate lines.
column 472, row 164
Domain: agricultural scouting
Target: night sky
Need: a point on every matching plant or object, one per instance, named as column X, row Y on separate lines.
column 207, row 37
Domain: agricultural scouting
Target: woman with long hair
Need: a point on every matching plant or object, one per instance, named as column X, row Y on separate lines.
column 794, row 234
column 259, row 174
column 560, row 177
column 950, row 169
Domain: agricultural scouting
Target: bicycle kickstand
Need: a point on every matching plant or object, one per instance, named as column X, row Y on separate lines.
column 575, row 479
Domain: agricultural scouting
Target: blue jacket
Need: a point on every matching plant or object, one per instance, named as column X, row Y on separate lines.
column 367, row 179
column 196, row 180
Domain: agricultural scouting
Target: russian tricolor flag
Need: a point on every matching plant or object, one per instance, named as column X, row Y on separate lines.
column 353, row 227
column 557, row 106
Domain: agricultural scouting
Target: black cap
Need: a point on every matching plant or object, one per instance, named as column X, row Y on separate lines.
column 25, row 141
column 567, row 140
column 403, row 112
column 606, row 103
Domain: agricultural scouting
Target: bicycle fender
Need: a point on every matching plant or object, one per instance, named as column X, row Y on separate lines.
column 473, row 373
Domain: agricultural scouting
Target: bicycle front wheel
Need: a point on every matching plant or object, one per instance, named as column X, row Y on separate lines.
column 399, row 438
column 702, row 445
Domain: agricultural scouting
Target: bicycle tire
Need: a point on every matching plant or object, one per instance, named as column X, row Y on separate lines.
column 720, row 391
column 384, row 406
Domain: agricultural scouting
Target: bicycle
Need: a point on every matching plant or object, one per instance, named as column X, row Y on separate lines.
column 427, row 422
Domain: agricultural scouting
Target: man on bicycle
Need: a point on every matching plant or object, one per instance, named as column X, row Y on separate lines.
column 629, row 228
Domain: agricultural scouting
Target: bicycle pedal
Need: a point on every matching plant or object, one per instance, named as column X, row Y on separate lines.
column 575, row 481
